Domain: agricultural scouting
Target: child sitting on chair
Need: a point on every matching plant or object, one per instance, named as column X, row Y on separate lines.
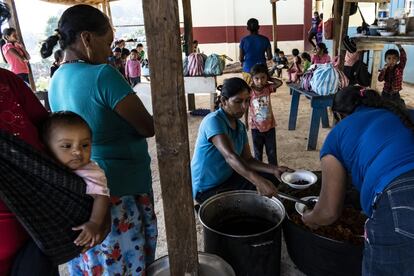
column 392, row 74
column 280, row 62
column 295, row 68
column 68, row 138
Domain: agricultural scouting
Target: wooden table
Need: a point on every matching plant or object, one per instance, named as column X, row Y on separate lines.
column 376, row 43
column 319, row 105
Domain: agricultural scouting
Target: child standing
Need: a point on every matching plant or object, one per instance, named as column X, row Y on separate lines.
column 15, row 54
column 392, row 74
column 133, row 68
column 294, row 69
column 68, row 138
column 260, row 114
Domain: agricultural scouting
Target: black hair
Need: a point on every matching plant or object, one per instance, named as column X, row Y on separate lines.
column 306, row 56
column 295, row 52
column 323, row 47
column 259, row 68
column 321, row 16
column 391, row 52
column 117, row 50
column 195, row 42
column 73, row 21
column 253, row 25
column 230, row 88
column 134, row 51
column 281, row 52
column 4, row 13
column 348, row 99
column 6, row 32
column 58, row 55
column 140, row 45
column 277, row 51
column 61, row 118
column 316, row 12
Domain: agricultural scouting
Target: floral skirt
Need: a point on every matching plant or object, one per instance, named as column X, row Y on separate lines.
column 129, row 247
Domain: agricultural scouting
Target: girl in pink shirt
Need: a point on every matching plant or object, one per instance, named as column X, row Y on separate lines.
column 260, row 114
column 321, row 56
column 133, row 68
column 15, row 54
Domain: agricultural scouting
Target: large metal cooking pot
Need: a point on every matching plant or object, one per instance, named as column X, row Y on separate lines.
column 316, row 255
column 244, row 228
column 209, row 265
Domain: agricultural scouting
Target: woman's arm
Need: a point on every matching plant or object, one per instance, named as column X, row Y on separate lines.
column 331, row 198
column 269, row 54
column 241, row 56
column 133, row 110
column 225, row 147
column 259, row 166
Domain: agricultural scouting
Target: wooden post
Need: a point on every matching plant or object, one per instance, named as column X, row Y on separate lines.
column 14, row 23
column 104, row 9
column 274, row 26
column 337, row 13
column 167, row 85
column 108, row 6
column 343, row 32
column 188, row 42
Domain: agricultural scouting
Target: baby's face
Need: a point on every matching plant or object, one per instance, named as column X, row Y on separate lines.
column 71, row 145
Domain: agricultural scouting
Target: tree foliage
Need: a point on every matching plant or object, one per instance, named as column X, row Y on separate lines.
column 51, row 25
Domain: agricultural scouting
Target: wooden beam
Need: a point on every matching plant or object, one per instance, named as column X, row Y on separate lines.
column 343, row 32
column 167, row 85
column 337, row 14
column 14, row 23
column 188, row 42
column 108, row 6
column 274, row 25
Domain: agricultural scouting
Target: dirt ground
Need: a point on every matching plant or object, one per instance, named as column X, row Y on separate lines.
column 291, row 150
column 291, row 147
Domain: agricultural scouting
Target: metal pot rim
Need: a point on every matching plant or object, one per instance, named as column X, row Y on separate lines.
column 320, row 236
column 240, row 192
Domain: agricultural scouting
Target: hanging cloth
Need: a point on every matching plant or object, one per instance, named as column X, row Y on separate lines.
column 46, row 197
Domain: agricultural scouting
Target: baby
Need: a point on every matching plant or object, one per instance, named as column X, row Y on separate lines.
column 68, row 138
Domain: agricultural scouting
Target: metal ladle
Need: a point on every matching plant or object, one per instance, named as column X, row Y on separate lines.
column 310, row 203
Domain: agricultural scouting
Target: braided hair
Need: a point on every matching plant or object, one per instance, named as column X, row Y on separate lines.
column 74, row 21
column 230, row 88
column 349, row 98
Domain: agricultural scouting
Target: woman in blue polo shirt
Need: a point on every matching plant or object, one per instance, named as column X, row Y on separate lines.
column 222, row 160
column 374, row 142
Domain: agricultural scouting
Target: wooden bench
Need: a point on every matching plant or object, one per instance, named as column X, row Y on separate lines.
column 319, row 105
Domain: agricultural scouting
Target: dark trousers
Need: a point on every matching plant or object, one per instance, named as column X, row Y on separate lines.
column 389, row 232
column 24, row 77
column 234, row 182
column 134, row 81
column 393, row 96
column 265, row 140
column 311, row 36
column 31, row 261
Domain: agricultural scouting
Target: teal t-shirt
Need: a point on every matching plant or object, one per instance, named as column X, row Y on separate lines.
column 93, row 91
column 208, row 166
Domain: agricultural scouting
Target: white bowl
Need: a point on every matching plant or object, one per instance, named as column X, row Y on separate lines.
column 280, row 66
column 385, row 33
column 300, row 208
column 290, row 178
